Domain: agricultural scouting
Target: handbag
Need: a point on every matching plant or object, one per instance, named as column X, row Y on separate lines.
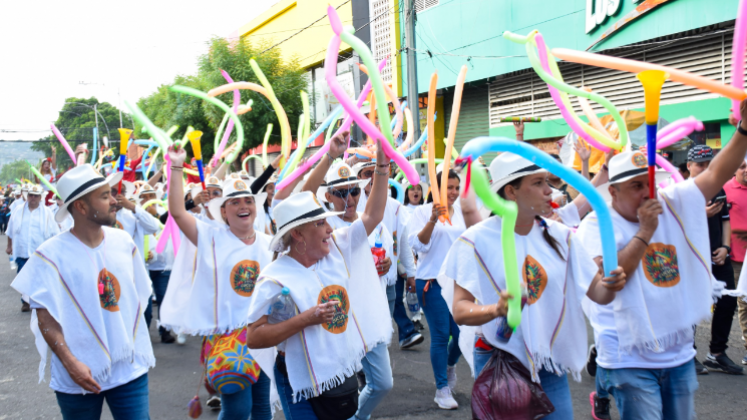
column 338, row 403
column 229, row 366
column 504, row 390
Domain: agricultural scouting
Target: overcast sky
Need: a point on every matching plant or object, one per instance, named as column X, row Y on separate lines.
column 47, row 47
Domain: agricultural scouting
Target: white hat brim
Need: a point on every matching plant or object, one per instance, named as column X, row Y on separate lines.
column 63, row 212
column 604, row 190
column 323, row 197
column 215, row 204
column 498, row 184
column 276, row 244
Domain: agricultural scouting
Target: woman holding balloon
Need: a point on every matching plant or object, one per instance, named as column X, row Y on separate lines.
column 550, row 341
column 49, row 171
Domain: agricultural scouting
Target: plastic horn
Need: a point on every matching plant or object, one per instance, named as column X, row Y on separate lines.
column 520, row 119
column 455, row 108
column 124, row 140
column 194, row 140
column 652, row 81
column 265, row 162
column 285, row 130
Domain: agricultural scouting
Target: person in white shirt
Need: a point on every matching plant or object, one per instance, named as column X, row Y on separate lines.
column 19, row 200
column 133, row 219
column 88, row 288
column 49, row 172
column 644, row 339
column 29, row 227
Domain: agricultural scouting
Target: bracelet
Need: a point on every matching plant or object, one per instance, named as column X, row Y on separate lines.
column 604, row 167
column 381, row 173
column 382, row 166
column 331, row 159
column 177, row 168
column 741, row 130
column 640, row 239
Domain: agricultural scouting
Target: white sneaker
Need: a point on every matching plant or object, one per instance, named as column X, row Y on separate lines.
column 181, row 339
column 451, row 377
column 444, row 399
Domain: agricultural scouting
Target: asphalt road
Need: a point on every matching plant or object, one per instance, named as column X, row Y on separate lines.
column 175, row 379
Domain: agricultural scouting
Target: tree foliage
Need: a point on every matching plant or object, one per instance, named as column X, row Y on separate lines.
column 14, row 170
column 167, row 108
column 76, row 122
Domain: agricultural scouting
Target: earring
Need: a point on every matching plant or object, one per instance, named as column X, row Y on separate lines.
column 304, row 248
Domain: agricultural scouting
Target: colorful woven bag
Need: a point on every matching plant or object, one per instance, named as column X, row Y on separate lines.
column 230, row 367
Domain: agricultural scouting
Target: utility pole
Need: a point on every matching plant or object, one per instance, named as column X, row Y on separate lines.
column 412, row 68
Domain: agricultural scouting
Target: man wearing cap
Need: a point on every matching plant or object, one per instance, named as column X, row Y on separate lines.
column 89, row 288
column 644, row 338
column 699, row 158
column 20, row 198
column 133, row 219
column 29, row 227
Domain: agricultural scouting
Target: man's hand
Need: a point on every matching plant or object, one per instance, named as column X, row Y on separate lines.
column 411, row 284
column 519, row 128
column 9, row 250
column 583, row 150
column 125, row 203
column 152, row 210
column 81, row 375
column 713, row 209
column 616, row 282
column 202, row 197
column 384, row 265
column 338, row 144
column 719, row 256
column 648, row 217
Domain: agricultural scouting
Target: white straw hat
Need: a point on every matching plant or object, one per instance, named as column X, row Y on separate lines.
column 340, row 175
column 233, row 188
column 295, row 211
column 508, row 167
column 36, row 190
column 147, row 189
column 626, row 166
column 78, row 182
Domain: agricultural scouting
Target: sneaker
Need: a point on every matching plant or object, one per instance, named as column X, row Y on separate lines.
column 591, row 361
column 167, row 338
column 699, row 368
column 411, row 341
column 600, row 407
column 25, row 307
column 451, row 377
column 722, row 363
column 418, row 325
column 213, row 403
column 744, row 360
column 444, row 399
column 181, row 339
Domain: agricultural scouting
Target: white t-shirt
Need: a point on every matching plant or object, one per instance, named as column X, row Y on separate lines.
column 390, row 278
column 433, row 254
column 687, row 292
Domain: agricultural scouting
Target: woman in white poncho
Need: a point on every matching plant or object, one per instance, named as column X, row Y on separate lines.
column 551, row 339
column 341, row 309
column 213, row 301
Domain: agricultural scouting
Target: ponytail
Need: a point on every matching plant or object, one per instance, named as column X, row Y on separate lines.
column 549, row 238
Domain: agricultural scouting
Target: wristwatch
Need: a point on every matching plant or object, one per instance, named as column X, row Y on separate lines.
column 741, row 130
column 728, row 249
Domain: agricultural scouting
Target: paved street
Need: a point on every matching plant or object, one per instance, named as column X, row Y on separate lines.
column 175, row 379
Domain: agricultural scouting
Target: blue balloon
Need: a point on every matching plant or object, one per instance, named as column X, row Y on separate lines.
column 481, row 145
column 95, row 145
column 400, row 190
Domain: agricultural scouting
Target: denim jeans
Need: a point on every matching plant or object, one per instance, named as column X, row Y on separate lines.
column 390, row 296
column 556, row 387
column 160, row 280
column 301, row 410
column 405, row 328
column 601, row 390
column 254, row 401
column 441, row 325
column 652, row 394
column 126, row 402
column 379, row 381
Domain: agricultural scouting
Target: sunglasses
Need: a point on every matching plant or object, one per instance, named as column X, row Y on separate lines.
column 367, row 174
column 344, row 193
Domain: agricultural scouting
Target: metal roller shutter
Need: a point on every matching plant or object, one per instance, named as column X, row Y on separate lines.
column 705, row 52
column 474, row 115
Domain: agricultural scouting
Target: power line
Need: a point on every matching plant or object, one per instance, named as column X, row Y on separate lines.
column 310, row 25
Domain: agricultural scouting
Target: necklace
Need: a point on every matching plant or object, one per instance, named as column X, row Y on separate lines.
column 246, row 238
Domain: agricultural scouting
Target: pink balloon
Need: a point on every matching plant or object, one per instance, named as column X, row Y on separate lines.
column 227, row 134
column 737, row 53
column 170, row 229
column 542, row 50
column 62, row 140
column 677, row 130
column 664, row 164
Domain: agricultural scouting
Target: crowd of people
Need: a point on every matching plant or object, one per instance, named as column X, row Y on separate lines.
column 293, row 292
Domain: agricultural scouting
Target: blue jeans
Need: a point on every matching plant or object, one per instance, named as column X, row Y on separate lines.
column 301, row 410
column 556, row 387
column 126, row 402
column 379, row 381
column 253, row 400
column 405, row 328
column 601, row 391
column 441, row 324
column 652, row 394
column 160, row 280
column 390, row 296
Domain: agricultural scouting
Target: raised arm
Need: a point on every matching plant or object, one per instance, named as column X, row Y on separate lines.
column 376, row 204
column 179, row 213
column 336, row 149
column 54, row 158
column 265, row 176
column 581, row 203
column 725, row 163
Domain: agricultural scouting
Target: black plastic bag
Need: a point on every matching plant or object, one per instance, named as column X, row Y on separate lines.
column 504, row 391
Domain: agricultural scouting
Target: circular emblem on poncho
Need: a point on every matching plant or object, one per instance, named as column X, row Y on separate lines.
column 108, row 291
column 660, row 265
column 244, row 277
column 339, row 323
column 535, row 277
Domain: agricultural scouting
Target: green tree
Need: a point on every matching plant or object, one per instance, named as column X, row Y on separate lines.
column 14, row 170
column 76, row 122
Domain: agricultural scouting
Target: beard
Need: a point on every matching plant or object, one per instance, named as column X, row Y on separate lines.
column 103, row 219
